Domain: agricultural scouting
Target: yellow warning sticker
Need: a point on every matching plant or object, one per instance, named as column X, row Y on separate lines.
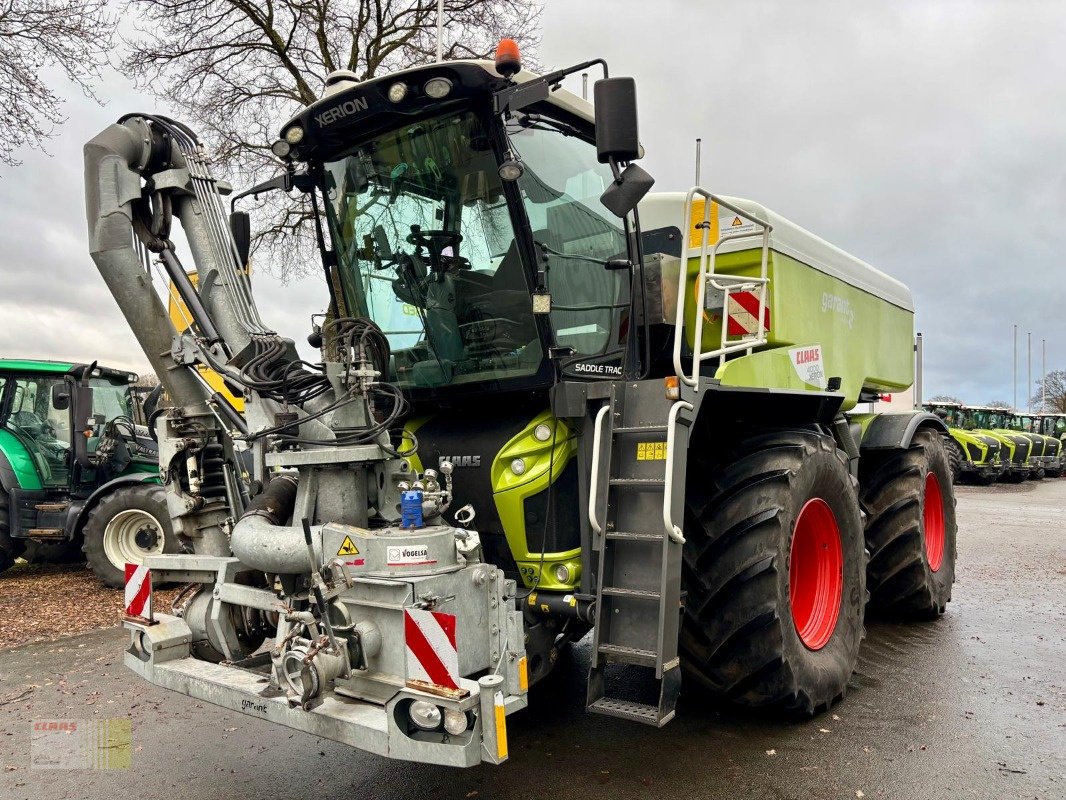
column 697, row 225
column 651, row 451
column 348, row 547
column 736, row 223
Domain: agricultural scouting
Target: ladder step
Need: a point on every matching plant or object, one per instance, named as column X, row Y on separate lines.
column 628, row 655
column 52, row 507
column 636, row 430
column 46, row 533
column 645, row 484
column 618, row 591
column 634, row 537
column 626, row 709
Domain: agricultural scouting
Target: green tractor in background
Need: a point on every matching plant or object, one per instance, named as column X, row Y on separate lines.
column 1053, row 424
column 994, row 422
column 75, row 469
column 975, row 457
column 1048, row 449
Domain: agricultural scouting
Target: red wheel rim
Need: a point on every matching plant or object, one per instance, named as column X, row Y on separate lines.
column 933, row 519
column 815, row 574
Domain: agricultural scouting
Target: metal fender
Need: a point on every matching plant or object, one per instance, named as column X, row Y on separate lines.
column 894, row 431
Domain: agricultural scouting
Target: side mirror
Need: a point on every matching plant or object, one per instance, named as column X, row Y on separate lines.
column 240, row 225
column 60, row 397
column 616, row 120
column 623, row 195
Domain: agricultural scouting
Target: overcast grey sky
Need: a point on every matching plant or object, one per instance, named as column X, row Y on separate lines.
column 924, row 137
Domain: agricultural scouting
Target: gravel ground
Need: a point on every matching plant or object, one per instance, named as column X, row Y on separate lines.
column 972, row 705
column 43, row 602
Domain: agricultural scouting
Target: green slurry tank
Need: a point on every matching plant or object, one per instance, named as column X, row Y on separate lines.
column 823, row 307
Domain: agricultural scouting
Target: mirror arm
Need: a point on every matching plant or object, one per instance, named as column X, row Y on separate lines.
column 514, row 96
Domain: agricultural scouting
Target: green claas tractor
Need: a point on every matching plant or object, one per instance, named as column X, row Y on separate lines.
column 545, row 402
column 74, row 469
column 1017, row 448
column 1047, row 449
column 1053, row 424
column 975, row 457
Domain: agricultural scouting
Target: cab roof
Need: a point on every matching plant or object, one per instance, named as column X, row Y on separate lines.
column 35, row 365
column 62, row 367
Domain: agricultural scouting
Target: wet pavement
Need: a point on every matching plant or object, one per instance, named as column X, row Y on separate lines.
column 972, row 705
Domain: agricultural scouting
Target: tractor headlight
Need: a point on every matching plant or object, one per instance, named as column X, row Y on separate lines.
column 281, row 148
column 397, row 92
column 424, row 715
column 562, row 573
column 518, row 466
column 437, row 88
column 542, row 432
column 454, row 721
column 293, row 134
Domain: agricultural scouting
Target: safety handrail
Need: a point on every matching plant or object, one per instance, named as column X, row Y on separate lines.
column 673, row 531
column 594, row 483
column 727, row 284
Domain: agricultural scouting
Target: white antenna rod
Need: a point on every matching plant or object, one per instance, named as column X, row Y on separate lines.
column 1029, row 372
column 584, row 86
column 698, row 142
column 1043, row 374
column 1015, row 366
column 440, row 31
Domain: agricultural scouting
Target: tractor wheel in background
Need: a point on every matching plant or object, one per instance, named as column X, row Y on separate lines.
column 955, row 458
column 10, row 549
column 910, row 528
column 125, row 526
column 775, row 573
column 1036, row 474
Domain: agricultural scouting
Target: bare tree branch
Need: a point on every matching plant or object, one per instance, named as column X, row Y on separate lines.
column 239, row 68
column 1053, row 395
column 73, row 36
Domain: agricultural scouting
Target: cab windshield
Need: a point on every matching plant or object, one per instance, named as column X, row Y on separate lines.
column 426, row 248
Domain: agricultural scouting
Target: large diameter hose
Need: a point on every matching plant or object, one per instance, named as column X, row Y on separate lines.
column 261, row 542
column 113, row 160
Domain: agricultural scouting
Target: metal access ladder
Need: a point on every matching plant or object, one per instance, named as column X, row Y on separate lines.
column 632, row 512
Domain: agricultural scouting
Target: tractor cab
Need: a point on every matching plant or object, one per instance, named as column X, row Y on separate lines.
column 65, row 431
column 464, row 217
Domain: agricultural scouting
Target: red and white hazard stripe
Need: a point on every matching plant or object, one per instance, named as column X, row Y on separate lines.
column 743, row 308
column 138, row 591
column 431, row 653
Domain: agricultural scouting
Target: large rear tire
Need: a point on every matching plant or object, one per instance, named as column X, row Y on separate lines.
column 955, row 459
column 10, row 549
column 910, row 529
column 775, row 573
column 125, row 526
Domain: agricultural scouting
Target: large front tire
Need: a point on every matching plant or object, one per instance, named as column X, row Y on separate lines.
column 125, row 526
column 775, row 571
column 910, row 529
